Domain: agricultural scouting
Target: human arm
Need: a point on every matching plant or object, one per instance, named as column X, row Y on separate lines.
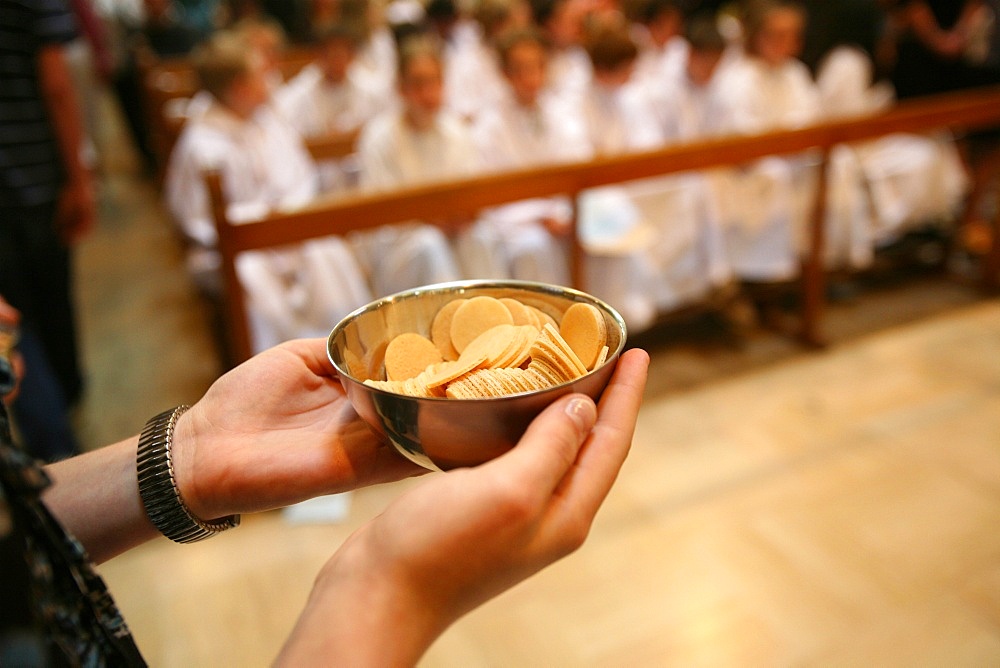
column 950, row 43
column 77, row 212
column 276, row 430
column 465, row 536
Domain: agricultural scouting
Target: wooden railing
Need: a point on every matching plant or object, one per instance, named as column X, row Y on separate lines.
column 446, row 201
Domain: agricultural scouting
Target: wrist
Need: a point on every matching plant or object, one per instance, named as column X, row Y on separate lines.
column 360, row 613
column 158, row 487
column 186, row 440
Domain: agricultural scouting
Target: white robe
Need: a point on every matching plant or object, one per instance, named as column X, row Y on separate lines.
column 660, row 66
column 317, row 107
column 655, row 244
column 569, row 76
column 375, row 62
column 767, row 206
column 510, row 241
column 392, row 155
column 912, row 179
column 296, row 292
column 473, row 81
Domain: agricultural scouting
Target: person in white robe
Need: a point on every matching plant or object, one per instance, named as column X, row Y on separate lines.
column 524, row 240
column 376, row 58
column 473, row 80
column 330, row 98
column 660, row 237
column 767, row 206
column 264, row 166
column 693, row 108
column 264, row 36
column 570, row 70
column 416, row 144
column 663, row 49
column 913, row 180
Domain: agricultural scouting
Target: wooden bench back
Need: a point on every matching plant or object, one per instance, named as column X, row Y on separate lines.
column 444, row 201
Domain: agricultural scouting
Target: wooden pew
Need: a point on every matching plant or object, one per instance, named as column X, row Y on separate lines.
column 443, row 201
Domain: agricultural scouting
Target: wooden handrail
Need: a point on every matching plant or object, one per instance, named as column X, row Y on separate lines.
column 443, row 201
column 332, row 146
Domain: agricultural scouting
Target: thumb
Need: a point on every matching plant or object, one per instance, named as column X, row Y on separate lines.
column 552, row 442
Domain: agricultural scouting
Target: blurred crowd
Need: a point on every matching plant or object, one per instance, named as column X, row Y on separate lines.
column 445, row 89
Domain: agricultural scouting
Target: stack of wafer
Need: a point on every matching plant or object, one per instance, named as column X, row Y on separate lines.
column 485, row 347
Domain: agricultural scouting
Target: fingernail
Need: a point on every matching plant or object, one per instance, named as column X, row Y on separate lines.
column 583, row 412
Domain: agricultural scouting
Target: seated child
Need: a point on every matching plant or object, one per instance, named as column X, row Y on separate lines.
column 768, row 206
column 670, row 253
column 415, row 144
column 329, row 97
column 521, row 240
column 913, row 179
column 263, row 164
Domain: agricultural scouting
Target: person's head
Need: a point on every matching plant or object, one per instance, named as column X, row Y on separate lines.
column 706, row 48
column 664, row 20
column 774, row 29
column 562, row 21
column 524, row 57
column 420, row 80
column 263, row 35
column 499, row 17
column 338, row 46
column 232, row 73
column 612, row 52
column 442, row 17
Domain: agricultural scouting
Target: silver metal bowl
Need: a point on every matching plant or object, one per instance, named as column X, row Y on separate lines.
column 442, row 434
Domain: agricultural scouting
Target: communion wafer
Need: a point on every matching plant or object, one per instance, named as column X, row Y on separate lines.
column 409, row 355
column 441, row 329
column 492, row 344
column 474, row 317
column 551, row 335
column 543, row 317
column 452, row 370
column 583, row 327
column 522, row 314
column 509, row 353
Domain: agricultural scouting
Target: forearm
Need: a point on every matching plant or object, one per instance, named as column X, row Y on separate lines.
column 61, row 101
column 358, row 616
column 95, row 496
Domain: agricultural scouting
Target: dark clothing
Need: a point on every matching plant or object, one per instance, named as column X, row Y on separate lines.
column 35, row 268
column 73, row 620
column 40, row 407
column 857, row 23
column 36, row 279
column 920, row 71
column 164, row 39
column 30, row 164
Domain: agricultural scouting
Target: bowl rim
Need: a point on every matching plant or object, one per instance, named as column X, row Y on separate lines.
column 529, row 286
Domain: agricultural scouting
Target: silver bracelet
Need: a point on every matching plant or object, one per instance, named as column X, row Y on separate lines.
column 158, row 486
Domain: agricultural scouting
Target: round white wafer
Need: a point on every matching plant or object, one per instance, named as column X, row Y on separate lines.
column 474, row 317
column 583, row 327
column 441, row 329
column 408, row 355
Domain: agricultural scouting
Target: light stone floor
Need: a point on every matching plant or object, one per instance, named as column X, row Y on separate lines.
column 780, row 506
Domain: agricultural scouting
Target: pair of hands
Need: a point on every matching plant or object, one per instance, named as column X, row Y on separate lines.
column 950, row 44
column 279, row 429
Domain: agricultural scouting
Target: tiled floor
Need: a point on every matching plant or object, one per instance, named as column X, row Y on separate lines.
column 780, row 506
